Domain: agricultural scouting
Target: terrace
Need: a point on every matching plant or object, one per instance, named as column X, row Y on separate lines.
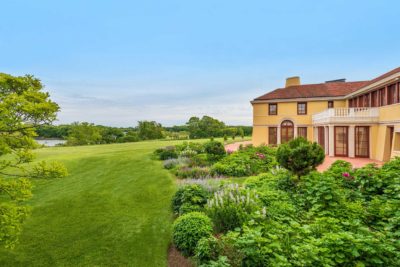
column 346, row 115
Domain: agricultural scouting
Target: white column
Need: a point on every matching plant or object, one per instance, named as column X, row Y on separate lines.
column 315, row 135
column 331, row 132
column 351, row 141
column 295, row 131
column 278, row 135
column 326, row 141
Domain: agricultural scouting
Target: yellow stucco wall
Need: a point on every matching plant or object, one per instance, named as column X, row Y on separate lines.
column 286, row 111
column 389, row 113
column 389, row 116
column 379, row 132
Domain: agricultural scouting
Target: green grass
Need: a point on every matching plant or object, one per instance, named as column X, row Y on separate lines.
column 112, row 210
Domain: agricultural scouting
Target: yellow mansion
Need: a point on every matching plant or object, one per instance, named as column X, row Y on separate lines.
column 348, row 119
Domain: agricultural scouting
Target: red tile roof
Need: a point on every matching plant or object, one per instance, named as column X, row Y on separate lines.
column 330, row 89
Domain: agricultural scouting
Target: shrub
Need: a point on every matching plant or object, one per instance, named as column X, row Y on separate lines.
column 222, row 261
column 319, row 193
column 207, row 249
column 129, row 138
column 200, row 160
column 369, row 180
column 188, row 153
column 245, row 162
column 189, row 229
column 189, row 198
column 231, row 207
column 193, row 172
column 166, row 153
column 215, row 150
column 194, row 146
column 172, row 163
column 300, row 156
column 342, row 171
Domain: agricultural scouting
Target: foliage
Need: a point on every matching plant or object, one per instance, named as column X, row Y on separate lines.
column 222, row 261
column 231, row 207
column 149, row 130
column 188, row 229
column 129, row 137
column 83, row 134
column 165, row 153
column 247, row 161
column 207, row 249
column 215, row 150
column 185, row 172
column 300, row 156
column 53, row 131
column 23, row 106
column 194, row 146
column 323, row 219
column 189, row 198
column 204, row 127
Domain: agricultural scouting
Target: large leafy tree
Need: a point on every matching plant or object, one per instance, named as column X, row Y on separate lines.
column 23, row 106
column 149, row 130
column 84, row 134
column 205, row 127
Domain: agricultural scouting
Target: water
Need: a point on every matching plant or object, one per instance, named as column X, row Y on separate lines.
column 51, row 142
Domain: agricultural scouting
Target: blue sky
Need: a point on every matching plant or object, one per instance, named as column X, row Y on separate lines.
column 117, row 62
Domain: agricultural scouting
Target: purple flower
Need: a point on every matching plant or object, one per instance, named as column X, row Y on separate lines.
column 346, row 174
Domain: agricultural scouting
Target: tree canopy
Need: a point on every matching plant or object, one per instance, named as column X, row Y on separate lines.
column 205, row 127
column 149, row 130
column 23, row 106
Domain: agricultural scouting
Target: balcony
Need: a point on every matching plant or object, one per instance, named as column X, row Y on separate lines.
column 346, row 115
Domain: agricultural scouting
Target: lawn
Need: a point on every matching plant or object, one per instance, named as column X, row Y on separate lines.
column 112, row 210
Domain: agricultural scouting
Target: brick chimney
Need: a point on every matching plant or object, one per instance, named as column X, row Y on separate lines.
column 291, row 81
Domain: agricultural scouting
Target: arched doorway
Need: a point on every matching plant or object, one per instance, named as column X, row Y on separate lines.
column 287, row 131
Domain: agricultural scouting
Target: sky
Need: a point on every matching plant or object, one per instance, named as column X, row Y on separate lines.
column 117, row 62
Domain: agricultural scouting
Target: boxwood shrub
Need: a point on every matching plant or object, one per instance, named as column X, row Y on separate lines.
column 188, row 229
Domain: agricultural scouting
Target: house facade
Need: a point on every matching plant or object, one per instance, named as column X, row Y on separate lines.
column 348, row 119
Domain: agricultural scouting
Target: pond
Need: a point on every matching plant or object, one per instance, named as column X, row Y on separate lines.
column 50, row 142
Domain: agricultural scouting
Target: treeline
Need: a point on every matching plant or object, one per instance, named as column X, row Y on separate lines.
column 84, row 133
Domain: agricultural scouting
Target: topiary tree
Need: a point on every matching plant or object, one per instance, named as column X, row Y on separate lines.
column 189, row 229
column 300, row 156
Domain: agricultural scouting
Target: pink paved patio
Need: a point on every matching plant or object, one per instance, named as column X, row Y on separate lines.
column 356, row 162
column 235, row 146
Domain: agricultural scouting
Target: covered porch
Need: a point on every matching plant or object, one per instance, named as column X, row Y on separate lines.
column 345, row 132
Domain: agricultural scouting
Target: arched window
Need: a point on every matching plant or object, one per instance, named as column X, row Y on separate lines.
column 287, row 131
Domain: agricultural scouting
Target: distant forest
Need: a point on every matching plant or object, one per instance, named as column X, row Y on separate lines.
column 84, row 133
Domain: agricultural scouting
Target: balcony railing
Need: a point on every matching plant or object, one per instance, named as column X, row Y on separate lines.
column 346, row 115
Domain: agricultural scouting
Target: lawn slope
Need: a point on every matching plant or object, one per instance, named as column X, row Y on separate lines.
column 112, row 210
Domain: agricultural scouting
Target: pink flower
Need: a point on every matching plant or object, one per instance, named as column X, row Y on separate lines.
column 260, row 155
column 229, row 151
column 346, row 174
